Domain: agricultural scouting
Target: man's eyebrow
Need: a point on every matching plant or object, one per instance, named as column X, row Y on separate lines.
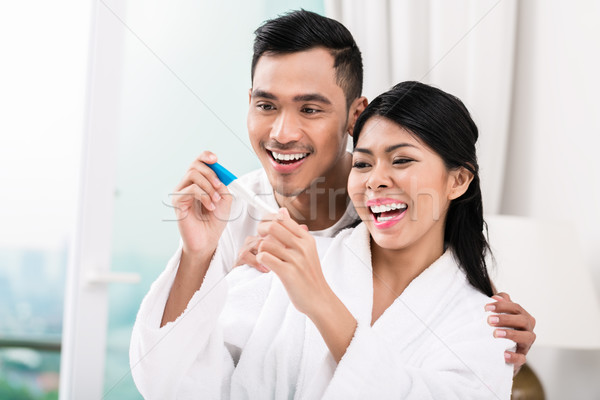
column 312, row 97
column 264, row 94
column 388, row 149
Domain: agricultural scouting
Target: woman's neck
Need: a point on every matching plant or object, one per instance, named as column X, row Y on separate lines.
column 396, row 268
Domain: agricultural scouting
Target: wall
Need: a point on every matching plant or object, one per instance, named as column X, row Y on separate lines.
column 553, row 170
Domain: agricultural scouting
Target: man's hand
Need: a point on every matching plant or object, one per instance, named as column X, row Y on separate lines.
column 247, row 254
column 514, row 323
column 202, row 205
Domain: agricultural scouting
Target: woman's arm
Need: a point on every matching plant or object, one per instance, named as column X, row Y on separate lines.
column 290, row 251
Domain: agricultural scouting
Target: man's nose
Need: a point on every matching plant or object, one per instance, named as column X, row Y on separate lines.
column 286, row 128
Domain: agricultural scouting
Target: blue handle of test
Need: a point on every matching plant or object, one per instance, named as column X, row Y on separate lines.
column 222, row 173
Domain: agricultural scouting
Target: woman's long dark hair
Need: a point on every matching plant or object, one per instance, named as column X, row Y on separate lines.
column 443, row 123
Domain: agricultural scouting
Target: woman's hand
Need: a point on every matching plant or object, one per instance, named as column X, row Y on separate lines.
column 287, row 249
column 519, row 324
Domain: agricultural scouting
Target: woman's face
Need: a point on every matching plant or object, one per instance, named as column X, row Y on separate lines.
column 400, row 187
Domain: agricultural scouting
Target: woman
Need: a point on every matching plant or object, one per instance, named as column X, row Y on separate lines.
column 395, row 308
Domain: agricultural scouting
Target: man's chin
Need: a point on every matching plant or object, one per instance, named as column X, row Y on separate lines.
column 288, row 192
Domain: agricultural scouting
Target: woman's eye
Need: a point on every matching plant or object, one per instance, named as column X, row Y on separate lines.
column 360, row 164
column 402, row 161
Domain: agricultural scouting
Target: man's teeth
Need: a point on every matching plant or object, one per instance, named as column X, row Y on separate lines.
column 387, row 207
column 288, row 157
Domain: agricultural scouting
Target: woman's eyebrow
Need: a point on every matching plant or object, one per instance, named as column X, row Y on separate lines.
column 393, row 147
column 388, row 149
column 361, row 150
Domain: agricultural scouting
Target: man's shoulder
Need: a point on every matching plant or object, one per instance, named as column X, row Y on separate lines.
column 255, row 179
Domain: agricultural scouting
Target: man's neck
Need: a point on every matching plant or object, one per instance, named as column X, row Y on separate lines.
column 322, row 204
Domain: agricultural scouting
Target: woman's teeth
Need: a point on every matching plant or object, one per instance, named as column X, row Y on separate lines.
column 288, row 157
column 379, row 210
column 387, row 207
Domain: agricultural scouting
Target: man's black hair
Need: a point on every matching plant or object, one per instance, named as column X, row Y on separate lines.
column 303, row 30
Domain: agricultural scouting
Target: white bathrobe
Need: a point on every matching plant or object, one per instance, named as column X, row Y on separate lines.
column 241, row 338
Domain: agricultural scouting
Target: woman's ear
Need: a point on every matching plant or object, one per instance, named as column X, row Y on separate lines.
column 356, row 108
column 459, row 180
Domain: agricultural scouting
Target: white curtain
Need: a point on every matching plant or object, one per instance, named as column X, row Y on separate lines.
column 465, row 47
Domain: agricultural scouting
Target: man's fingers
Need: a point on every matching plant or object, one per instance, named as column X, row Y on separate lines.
column 197, row 193
column 509, row 321
column 523, row 339
column 514, row 358
column 200, row 165
column 507, row 307
column 502, row 296
column 247, row 256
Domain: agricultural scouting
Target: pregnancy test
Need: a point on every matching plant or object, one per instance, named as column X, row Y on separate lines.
column 240, row 191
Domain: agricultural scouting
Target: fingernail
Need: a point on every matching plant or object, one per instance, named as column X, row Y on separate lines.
column 499, row 298
column 284, row 211
column 507, row 355
column 499, row 333
column 211, row 207
column 493, row 320
column 217, row 182
column 490, row 307
column 216, row 196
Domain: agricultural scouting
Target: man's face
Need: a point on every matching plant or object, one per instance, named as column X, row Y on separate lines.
column 298, row 120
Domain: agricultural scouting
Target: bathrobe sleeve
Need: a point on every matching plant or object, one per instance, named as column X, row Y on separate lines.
column 189, row 357
column 462, row 365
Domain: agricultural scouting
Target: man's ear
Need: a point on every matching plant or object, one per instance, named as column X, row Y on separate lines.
column 249, row 95
column 356, row 108
column 459, row 181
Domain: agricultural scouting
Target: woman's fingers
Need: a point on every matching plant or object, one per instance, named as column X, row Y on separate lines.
column 271, row 262
column 291, row 225
column 275, row 231
column 273, row 246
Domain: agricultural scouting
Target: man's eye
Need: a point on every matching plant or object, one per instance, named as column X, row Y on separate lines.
column 360, row 164
column 265, row 107
column 308, row 110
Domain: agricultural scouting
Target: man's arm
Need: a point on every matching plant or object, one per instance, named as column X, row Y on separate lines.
column 202, row 205
column 514, row 323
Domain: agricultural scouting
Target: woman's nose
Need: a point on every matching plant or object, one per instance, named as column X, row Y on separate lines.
column 379, row 177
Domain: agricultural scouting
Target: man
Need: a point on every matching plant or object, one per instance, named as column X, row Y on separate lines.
column 304, row 101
